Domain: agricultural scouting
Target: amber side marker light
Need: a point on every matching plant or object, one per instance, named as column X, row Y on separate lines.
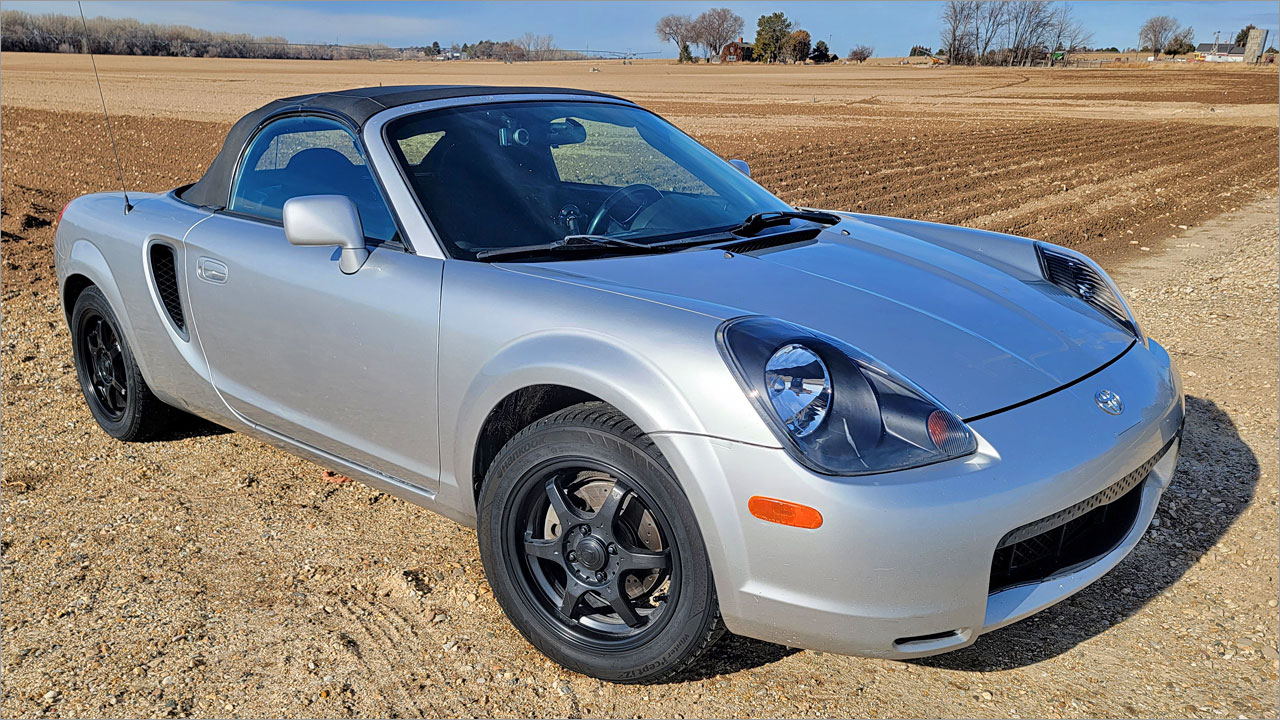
column 784, row 512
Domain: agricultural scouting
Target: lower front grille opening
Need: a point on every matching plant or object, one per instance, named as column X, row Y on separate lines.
column 1075, row 542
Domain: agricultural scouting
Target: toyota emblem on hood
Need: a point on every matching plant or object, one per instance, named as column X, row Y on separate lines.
column 1109, row 402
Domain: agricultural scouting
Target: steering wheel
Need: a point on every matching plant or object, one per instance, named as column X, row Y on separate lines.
column 645, row 195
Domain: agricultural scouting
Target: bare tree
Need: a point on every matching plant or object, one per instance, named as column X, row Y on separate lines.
column 543, row 47
column 798, row 46
column 861, row 53
column 1066, row 34
column 716, row 28
column 989, row 19
column 1157, row 33
column 1182, row 43
column 1028, row 28
column 676, row 29
column 955, row 36
column 533, row 47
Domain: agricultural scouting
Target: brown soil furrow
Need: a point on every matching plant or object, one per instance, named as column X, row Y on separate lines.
column 953, row 164
column 1188, row 191
column 1006, row 195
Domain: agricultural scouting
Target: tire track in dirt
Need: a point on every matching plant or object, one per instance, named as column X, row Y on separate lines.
column 371, row 637
column 1024, row 79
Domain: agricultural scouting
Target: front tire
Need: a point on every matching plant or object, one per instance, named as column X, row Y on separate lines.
column 593, row 551
column 117, row 395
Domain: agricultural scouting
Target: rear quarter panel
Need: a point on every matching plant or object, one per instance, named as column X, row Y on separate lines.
column 97, row 240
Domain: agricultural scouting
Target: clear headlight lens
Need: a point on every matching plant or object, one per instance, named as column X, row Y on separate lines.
column 837, row 410
column 799, row 388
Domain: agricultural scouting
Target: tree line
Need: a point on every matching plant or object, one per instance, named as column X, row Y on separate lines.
column 1022, row 32
column 26, row 32
column 1013, row 33
column 777, row 38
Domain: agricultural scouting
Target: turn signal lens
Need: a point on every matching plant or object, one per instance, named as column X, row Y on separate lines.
column 948, row 433
column 784, row 512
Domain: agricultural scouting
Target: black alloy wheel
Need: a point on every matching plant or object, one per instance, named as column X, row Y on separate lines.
column 101, row 343
column 593, row 550
column 117, row 395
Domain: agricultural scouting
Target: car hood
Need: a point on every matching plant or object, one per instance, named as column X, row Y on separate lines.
column 976, row 337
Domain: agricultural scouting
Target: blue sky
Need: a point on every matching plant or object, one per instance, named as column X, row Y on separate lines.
column 890, row 27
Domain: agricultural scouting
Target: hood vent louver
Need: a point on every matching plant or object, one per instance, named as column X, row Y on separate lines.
column 165, row 272
column 1083, row 281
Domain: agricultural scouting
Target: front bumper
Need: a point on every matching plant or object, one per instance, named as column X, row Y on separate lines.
column 902, row 564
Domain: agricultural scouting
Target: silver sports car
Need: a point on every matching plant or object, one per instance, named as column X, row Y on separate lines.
column 669, row 402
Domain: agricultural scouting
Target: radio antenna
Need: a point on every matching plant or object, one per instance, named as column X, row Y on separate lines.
column 88, row 46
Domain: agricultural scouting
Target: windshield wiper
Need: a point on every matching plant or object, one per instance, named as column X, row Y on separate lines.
column 761, row 220
column 568, row 242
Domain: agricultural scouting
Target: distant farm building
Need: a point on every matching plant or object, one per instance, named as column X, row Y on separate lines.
column 737, row 51
column 1220, row 52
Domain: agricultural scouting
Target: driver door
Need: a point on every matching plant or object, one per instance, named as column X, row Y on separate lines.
column 344, row 364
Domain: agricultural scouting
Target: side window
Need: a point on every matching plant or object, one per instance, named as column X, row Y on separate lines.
column 308, row 156
column 616, row 156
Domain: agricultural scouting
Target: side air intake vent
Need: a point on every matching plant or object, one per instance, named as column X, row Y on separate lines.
column 1083, row 281
column 164, row 270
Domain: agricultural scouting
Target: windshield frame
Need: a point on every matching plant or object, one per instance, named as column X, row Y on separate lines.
column 377, row 139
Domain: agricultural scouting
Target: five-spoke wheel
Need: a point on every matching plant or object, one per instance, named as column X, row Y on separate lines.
column 595, row 550
column 592, row 549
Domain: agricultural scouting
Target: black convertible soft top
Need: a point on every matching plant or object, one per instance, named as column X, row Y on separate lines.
column 357, row 105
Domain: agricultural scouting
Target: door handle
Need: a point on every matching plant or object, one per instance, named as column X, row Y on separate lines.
column 210, row 270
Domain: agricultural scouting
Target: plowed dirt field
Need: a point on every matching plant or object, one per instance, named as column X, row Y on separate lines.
column 210, row 575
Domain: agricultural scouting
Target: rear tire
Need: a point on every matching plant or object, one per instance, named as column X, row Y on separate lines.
column 117, row 395
column 593, row 551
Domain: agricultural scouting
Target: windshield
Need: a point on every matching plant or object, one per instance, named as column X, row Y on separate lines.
column 517, row 174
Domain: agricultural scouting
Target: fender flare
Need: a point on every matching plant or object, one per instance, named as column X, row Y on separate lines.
column 87, row 260
column 633, row 384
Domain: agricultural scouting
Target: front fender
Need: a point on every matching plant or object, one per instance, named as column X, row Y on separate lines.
column 582, row 359
column 646, row 392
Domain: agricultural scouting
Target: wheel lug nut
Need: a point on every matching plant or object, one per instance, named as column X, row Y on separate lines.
column 600, row 576
column 613, row 549
column 572, row 556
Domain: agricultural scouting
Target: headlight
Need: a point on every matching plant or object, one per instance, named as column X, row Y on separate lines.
column 799, row 388
column 835, row 409
column 1083, row 278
